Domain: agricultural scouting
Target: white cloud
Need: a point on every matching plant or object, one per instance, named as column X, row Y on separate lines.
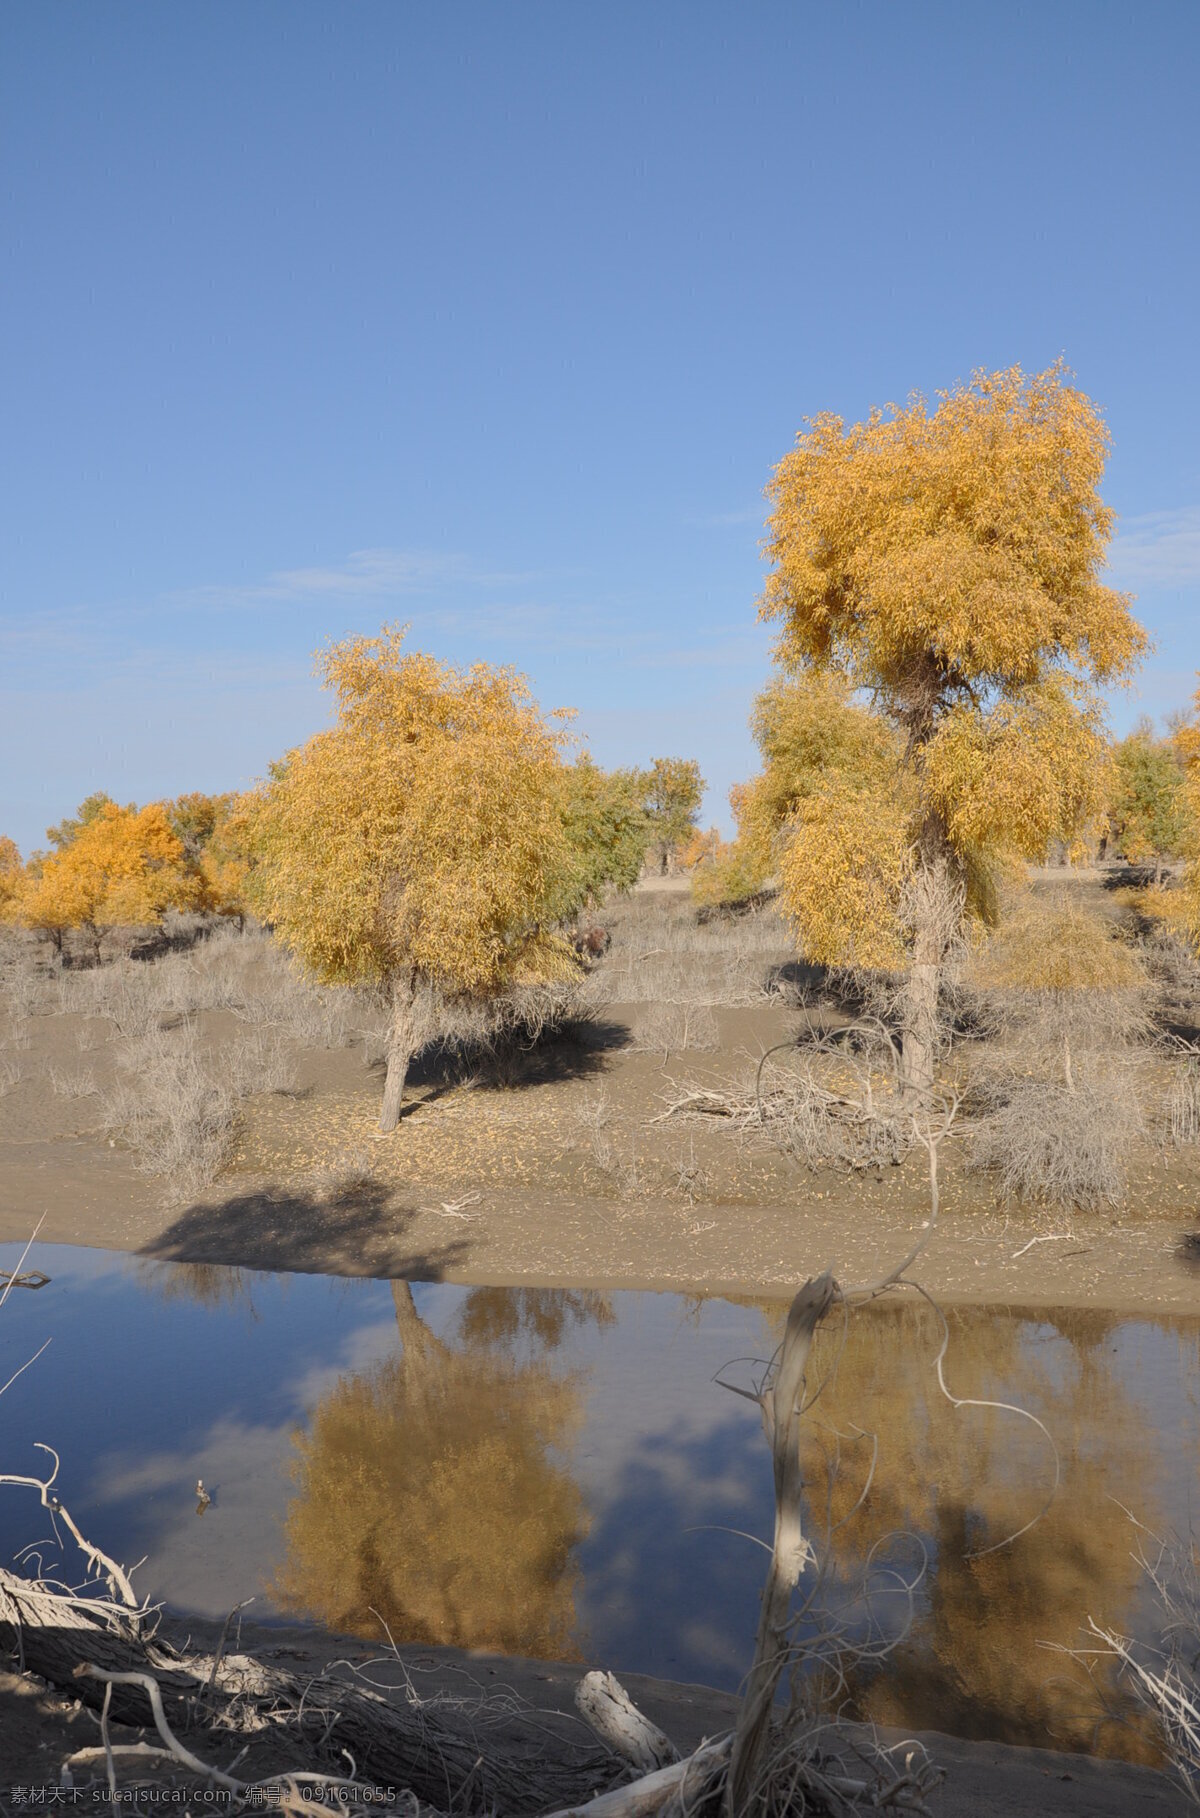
column 1158, row 549
column 365, row 573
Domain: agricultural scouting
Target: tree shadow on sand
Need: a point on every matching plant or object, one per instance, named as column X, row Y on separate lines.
column 359, row 1230
column 577, row 1051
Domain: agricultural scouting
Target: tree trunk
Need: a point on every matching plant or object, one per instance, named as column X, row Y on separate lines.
column 934, row 910
column 430, row 1745
column 782, row 1406
column 399, row 1050
column 919, row 1037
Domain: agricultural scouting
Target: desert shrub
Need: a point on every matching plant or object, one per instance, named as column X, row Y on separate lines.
column 343, row 1177
column 19, row 1033
column 245, row 974
column 614, row 1155
column 833, row 1101
column 174, row 1107
column 1046, row 1141
column 22, row 987
column 1055, row 976
column 664, row 953
column 1172, row 966
column 1164, row 1678
column 674, row 1028
column 67, row 1084
column 10, row 1075
column 1182, row 1110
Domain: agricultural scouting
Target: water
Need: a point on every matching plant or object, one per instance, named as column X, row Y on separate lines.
column 557, row 1473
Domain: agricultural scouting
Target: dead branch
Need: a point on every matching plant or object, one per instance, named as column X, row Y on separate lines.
column 782, row 1406
column 650, row 1796
column 606, row 1706
column 842, row 1103
column 432, row 1747
column 98, row 1562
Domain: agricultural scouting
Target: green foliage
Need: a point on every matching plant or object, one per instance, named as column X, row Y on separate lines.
column 89, row 809
column 196, row 818
column 1148, row 812
column 607, row 824
column 674, row 791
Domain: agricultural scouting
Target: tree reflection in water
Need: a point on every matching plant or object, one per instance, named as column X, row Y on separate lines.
column 975, row 1662
column 427, row 1493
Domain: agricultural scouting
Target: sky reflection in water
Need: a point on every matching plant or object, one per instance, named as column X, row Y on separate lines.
column 556, row 1472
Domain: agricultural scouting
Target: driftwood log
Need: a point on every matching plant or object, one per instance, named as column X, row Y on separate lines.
column 607, row 1708
column 447, row 1752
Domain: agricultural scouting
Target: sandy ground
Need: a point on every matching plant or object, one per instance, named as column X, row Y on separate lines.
column 567, row 1168
column 565, row 1171
column 484, row 1186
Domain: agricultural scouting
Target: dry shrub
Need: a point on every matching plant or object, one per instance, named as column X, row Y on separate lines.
column 23, row 984
column 1052, row 973
column 343, row 1177
column 673, row 1028
column 835, row 1103
column 174, row 1109
column 609, row 1153
column 246, row 974
column 692, row 1181
column 1183, row 1104
column 66, row 1084
column 1164, row 1678
column 499, row 1037
column 662, row 952
column 175, row 1106
column 10, row 1075
column 1049, row 1142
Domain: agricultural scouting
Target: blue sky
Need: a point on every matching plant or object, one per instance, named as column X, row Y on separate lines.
column 495, row 318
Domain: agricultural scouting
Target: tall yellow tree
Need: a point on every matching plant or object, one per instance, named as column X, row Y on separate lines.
column 420, row 841
column 945, row 564
column 119, row 867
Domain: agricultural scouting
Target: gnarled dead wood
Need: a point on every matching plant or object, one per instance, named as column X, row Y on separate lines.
column 782, row 1408
column 448, row 1752
column 603, row 1702
column 651, row 1796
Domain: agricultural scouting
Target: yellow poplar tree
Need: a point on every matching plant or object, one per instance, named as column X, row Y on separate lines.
column 120, row 867
column 1180, row 907
column 10, row 876
column 420, row 841
column 674, row 792
column 945, row 566
column 208, row 827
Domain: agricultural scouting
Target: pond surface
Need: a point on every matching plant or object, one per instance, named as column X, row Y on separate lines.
column 556, row 1473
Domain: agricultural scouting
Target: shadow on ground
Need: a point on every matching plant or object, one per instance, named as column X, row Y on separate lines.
column 361, row 1231
column 577, row 1051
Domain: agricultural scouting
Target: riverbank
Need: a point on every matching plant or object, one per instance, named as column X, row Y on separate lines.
column 1126, row 1262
